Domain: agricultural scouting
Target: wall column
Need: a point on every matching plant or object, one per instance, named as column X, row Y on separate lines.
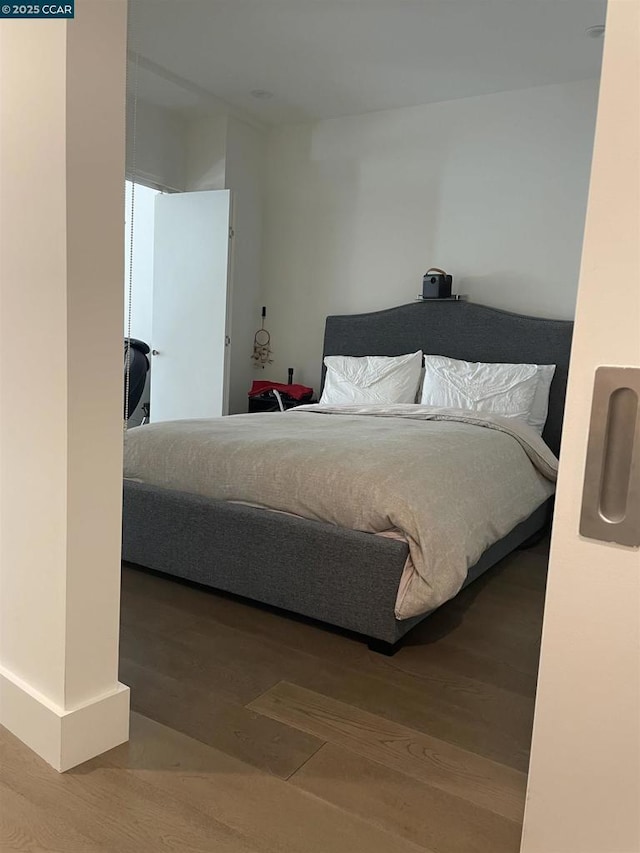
column 62, row 107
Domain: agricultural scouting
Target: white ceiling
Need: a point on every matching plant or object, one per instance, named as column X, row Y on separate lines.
column 327, row 58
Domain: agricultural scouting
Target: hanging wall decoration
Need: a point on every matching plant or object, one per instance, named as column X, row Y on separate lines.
column 262, row 345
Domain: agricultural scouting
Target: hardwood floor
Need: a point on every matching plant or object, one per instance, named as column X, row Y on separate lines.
column 257, row 733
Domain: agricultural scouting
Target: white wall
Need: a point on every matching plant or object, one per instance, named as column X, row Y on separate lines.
column 159, row 158
column 492, row 188
column 206, row 151
column 245, row 163
column 224, row 152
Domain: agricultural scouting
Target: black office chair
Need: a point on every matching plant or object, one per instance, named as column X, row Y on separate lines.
column 138, row 365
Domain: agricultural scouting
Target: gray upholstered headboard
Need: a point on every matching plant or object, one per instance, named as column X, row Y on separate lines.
column 463, row 330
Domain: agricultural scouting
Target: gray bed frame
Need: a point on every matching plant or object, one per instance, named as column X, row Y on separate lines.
column 342, row 577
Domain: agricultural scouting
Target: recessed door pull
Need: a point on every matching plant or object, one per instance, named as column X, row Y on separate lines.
column 611, row 492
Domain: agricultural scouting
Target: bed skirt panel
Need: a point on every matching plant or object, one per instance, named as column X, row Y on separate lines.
column 339, row 576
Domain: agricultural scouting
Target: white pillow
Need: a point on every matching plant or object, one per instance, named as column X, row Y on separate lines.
column 507, row 390
column 540, row 408
column 373, row 379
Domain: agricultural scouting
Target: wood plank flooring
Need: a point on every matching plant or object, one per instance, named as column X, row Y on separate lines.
column 257, row 733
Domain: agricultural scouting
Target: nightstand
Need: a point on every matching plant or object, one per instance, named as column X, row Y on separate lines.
column 270, row 404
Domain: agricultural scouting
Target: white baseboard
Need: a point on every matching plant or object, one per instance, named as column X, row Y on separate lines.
column 64, row 738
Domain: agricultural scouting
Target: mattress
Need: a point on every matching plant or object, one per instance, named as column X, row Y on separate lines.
column 451, row 482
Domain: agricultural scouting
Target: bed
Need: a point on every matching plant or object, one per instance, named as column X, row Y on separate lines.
column 374, row 585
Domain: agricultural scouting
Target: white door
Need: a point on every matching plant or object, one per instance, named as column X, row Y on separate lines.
column 584, row 778
column 190, row 305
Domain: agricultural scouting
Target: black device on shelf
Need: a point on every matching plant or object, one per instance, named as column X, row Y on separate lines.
column 436, row 284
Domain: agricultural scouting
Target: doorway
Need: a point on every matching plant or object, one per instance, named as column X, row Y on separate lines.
column 138, row 277
column 176, row 299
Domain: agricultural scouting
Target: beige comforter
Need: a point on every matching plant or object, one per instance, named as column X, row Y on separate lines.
column 452, row 482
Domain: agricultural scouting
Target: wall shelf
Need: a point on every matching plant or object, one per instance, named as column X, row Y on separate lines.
column 457, row 297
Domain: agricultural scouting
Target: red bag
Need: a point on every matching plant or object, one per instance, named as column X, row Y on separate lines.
column 295, row 392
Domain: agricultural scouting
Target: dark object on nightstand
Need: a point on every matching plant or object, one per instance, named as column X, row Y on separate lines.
column 269, row 403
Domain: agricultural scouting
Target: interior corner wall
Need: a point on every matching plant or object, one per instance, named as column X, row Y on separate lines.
column 206, row 152
column 224, row 152
column 244, row 176
column 493, row 189
column 156, row 152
